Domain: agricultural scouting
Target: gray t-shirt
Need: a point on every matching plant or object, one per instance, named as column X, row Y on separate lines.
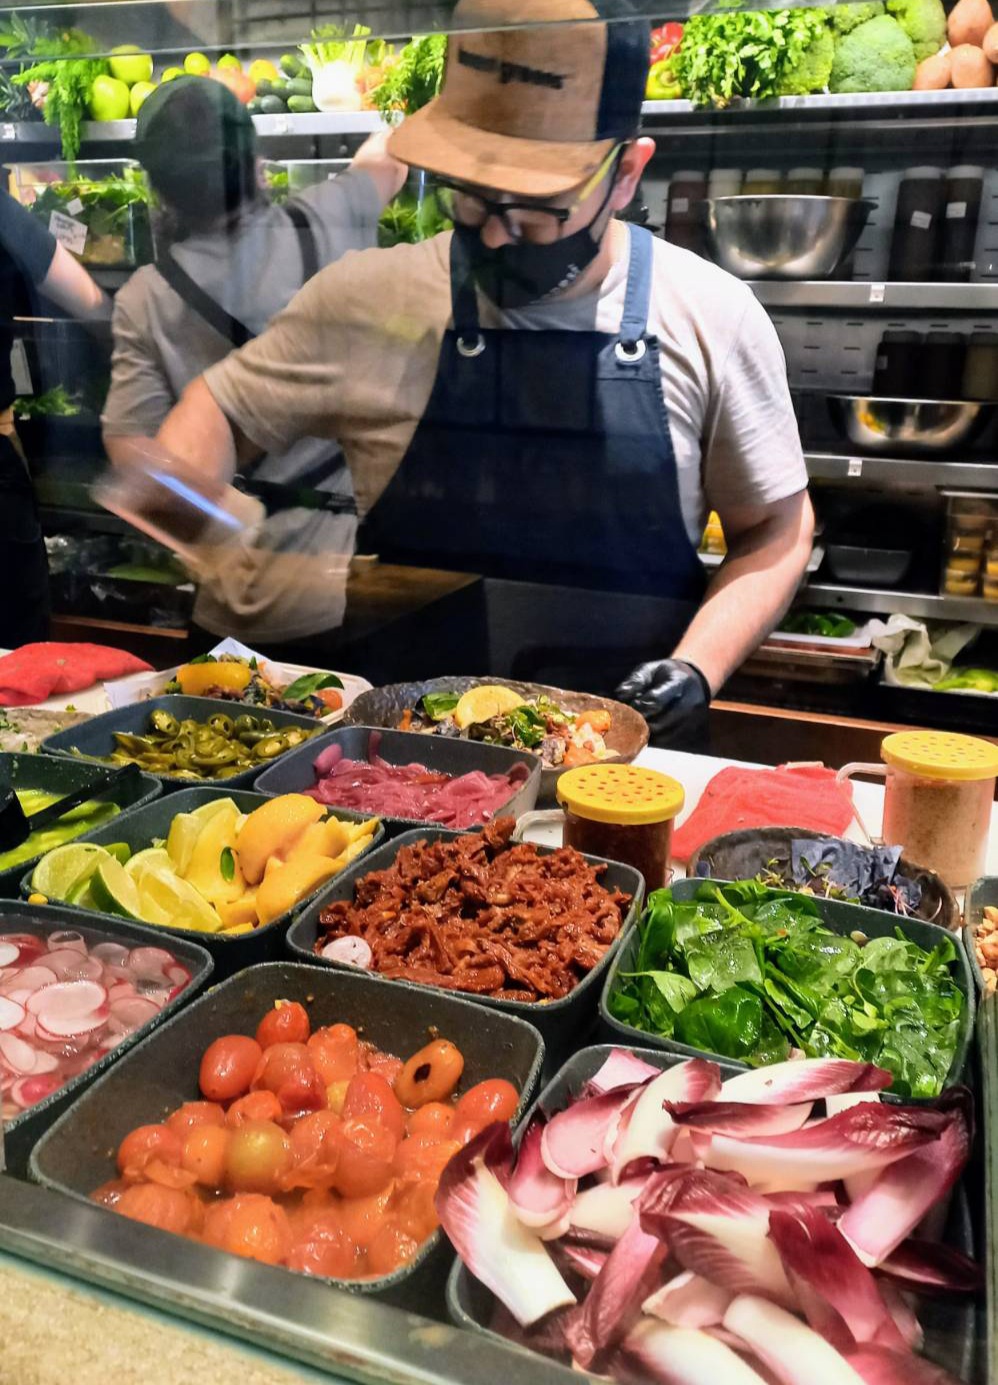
column 161, row 345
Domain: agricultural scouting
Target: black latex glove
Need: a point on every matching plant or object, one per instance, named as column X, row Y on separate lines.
column 671, row 695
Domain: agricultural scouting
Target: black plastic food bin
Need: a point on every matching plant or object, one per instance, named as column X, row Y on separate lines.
column 77, row 1155
column 95, row 738
column 839, row 917
column 293, row 772
column 563, row 1023
column 21, row 1133
column 137, row 829
column 55, row 774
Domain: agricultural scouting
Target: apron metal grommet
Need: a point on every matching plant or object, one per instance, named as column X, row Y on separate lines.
column 630, row 352
column 476, row 349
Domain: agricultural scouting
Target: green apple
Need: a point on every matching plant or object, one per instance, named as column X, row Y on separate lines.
column 171, row 73
column 197, row 64
column 108, row 99
column 229, row 61
column 130, row 65
column 138, row 94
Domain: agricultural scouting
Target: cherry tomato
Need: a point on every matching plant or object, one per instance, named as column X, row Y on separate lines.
column 334, row 1051
column 109, row 1194
column 390, row 1248
column 370, row 1095
column 431, row 1074
column 325, row 1249
column 168, row 1209
column 205, row 1152
column 415, row 1209
column 193, row 1114
column 287, row 1070
column 494, row 1100
column 336, row 1095
column 143, row 1145
column 365, row 1162
column 373, row 1060
column 286, row 1023
column 257, row 1158
column 363, row 1217
column 432, row 1119
column 254, row 1106
column 315, row 1144
column 250, row 1225
column 331, row 698
column 228, row 1066
column 421, row 1156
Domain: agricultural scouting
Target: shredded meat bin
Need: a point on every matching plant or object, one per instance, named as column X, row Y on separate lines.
column 481, row 915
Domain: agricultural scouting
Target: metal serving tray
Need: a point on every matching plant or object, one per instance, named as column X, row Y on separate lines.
column 950, row 1325
column 139, row 826
column 77, row 1154
column 562, row 1023
column 21, row 1133
column 293, row 772
column 55, row 774
column 840, row 918
column 95, row 738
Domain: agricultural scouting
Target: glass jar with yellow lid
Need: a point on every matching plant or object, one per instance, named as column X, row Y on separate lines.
column 622, row 812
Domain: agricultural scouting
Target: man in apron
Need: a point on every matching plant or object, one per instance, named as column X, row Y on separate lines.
column 547, row 396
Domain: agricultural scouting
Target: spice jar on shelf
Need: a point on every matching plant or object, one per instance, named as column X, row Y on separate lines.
column 622, row 812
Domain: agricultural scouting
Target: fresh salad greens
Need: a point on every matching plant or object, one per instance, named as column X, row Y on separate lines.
column 982, row 680
column 115, row 234
column 437, row 706
column 54, row 403
column 70, row 74
column 754, row 974
column 414, row 78
column 818, row 623
column 411, row 216
column 747, row 53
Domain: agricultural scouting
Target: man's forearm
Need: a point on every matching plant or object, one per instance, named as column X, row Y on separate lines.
column 750, row 593
column 198, row 434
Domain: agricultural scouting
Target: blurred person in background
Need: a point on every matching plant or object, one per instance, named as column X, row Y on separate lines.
column 546, row 396
column 227, row 261
column 32, row 262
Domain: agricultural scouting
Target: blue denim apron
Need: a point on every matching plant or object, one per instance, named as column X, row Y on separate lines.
column 545, row 457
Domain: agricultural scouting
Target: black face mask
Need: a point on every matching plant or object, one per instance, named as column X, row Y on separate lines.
column 520, row 273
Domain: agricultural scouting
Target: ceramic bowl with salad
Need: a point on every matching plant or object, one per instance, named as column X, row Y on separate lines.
column 564, row 729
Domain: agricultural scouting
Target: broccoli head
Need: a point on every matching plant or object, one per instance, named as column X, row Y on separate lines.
column 924, row 21
column 876, row 56
column 845, row 18
column 813, row 70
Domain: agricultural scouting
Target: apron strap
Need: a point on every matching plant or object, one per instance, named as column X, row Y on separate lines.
column 634, row 322
column 464, row 301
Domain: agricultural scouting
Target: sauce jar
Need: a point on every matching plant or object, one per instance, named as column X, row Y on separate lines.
column 622, row 812
column 937, row 807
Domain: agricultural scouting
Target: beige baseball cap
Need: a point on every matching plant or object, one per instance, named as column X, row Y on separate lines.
column 531, row 111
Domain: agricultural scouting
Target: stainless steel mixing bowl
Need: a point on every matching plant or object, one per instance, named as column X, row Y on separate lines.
column 906, row 425
column 783, row 237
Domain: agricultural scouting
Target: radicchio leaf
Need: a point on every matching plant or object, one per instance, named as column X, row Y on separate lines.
column 688, row 1300
column 879, row 1220
column 649, row 1130
column 877, row 1365
column 614, row 1301
column 539, row 1199
column 572, row 1142
column 815, row 1254
column 606, row 1209
column 682, row 1356
column 930, row 1265
column 804, row 1079
column 621, row 1069
column 739, row 1117
column 475, row 1211
column 794, row 1352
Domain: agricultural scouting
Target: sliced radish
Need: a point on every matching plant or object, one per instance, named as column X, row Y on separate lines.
column 67, row 938
column 130, row 1012
column 11, row 1013
column 72, row 1027
column 150, row 963
column 111, row 954
column 17, row 1056
column 29, row 979
column 9, row 952
column 28, row 1091
column 67, row 1000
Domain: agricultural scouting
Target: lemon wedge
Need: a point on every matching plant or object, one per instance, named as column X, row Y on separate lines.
column 484, row 703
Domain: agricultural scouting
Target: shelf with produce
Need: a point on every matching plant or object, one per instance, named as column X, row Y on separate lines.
column 903, row 471
column 885, row 602
column 880, row 297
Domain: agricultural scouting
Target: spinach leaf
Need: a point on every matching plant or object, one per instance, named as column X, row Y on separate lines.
column 438, row 706
column 721, row 959
column 308, row 684
column 730, row 1023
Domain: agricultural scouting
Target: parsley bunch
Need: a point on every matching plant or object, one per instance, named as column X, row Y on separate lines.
column 745, row 53
column 413, row 80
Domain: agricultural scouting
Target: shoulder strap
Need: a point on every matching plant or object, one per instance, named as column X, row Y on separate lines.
column 231, row 328
column 306, row 238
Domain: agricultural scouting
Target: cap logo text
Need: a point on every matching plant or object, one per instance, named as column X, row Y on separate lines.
column 510, row 72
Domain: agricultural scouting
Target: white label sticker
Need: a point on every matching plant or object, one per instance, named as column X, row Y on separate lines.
column 878, row 292
column 855, row 467
column 72, row 234
column 956, row 211
column 19, row 368
column 75, row 207
column 921, row 220
column 680, row 204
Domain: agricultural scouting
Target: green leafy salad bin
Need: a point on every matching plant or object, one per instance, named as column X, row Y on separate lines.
column 98, row 210
column 758, row 975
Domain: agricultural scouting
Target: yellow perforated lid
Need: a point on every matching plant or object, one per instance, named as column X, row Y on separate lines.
column 941, row 755
column 625, row 794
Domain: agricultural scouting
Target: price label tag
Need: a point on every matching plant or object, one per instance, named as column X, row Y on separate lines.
column 680, row 204
column 878, row 292
column 75, row 207
column 921, row 220
column 8, row 131
column 956, row 211
column 20, row 369
column 68, row 232
column 855, row 467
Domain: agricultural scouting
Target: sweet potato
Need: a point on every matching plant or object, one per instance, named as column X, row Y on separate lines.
column 990, row 44
column 969, row 21
column 933, row 74
column 970, row 68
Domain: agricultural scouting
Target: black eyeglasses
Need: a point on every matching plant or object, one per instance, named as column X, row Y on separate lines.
column 528, row 221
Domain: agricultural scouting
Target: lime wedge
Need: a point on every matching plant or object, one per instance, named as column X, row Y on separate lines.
column 57, row 872
column 119, row 850
column 163, row 896
column 152, row 858
column 114, row 891
column 80, row 895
